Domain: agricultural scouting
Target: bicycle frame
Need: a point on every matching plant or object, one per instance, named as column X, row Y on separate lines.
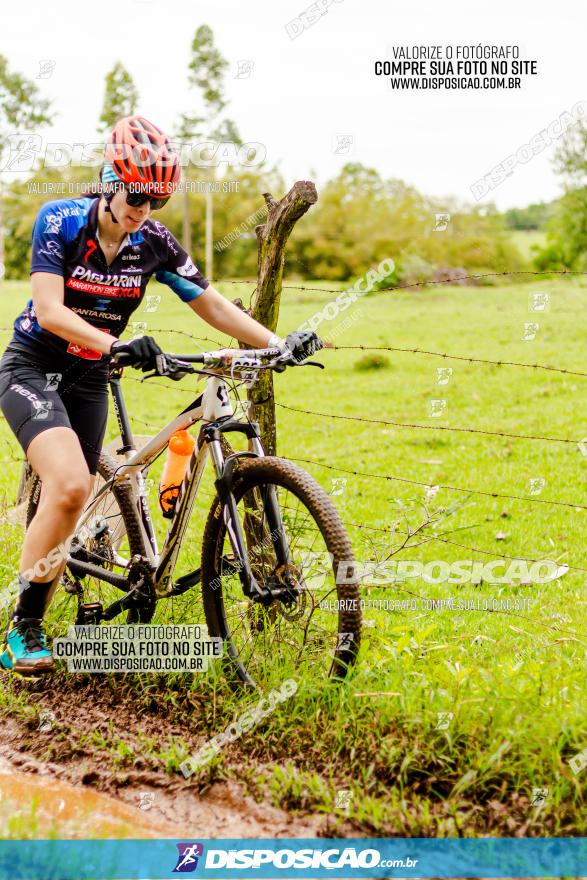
column 214, row 409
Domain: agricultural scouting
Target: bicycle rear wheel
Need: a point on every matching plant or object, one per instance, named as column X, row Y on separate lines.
column 318, row 630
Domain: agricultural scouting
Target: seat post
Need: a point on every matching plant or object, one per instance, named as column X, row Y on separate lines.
column 128, row 443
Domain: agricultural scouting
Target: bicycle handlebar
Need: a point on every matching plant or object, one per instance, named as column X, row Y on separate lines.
column 179, row 365
column 227, row 355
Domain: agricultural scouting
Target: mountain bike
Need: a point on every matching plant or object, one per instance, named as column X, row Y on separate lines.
column 276, row 573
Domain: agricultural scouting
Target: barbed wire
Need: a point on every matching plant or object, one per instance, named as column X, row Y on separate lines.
column 579, row 636
column 455, row 282
column 392, row 423
column 172, row 386
column 449, row 487
column 467, row 358
column 389, row 348
column 508, row 613
column 191, row 336
column 185, row 333
column 435, row 536
column 467, row 491
column 456, row 357
column 426, row 427
column 387, row 477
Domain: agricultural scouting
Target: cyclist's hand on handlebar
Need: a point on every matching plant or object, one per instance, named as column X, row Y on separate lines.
column 171, row 368
column 300, row 344
column 141, row 352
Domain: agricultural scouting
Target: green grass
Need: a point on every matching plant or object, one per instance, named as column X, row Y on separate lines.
column 515, row 682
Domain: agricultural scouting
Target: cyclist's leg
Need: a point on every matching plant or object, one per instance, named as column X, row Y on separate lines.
column 39, row 418
column 56, row 456
column 87, row 408
column 40, row 421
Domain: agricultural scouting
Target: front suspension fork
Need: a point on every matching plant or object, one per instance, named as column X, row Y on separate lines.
column 224, row 480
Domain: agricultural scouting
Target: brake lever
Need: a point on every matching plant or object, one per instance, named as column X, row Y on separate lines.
column 292, row 362
column 170, row 368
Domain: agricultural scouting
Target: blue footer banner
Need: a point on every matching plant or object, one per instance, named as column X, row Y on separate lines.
column 356, row 858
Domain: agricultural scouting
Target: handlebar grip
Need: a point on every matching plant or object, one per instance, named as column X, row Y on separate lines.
column 120, row 358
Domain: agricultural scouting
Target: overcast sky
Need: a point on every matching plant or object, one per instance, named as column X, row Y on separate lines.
column 302, row 93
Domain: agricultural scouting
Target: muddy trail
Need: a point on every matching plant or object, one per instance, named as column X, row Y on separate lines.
column 77, row 763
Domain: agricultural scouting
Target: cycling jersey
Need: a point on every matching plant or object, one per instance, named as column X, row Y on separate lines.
column 65, row 242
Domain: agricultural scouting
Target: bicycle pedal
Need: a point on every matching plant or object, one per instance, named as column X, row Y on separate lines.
column 72, row 586
column 90, row 613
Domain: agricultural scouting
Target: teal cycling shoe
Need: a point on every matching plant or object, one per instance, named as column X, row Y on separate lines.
column 25, row 648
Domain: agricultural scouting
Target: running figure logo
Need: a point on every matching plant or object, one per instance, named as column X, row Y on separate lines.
column 20, row 152
column 187, row 860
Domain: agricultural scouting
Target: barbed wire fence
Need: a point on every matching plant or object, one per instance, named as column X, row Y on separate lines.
column 500, row 363
column 392, row 478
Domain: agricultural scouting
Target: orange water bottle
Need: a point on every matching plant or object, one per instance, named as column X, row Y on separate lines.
column 181, row 446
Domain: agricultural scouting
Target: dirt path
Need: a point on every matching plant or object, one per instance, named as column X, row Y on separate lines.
column 83, row 787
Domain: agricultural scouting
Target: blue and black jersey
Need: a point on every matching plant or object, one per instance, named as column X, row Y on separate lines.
column 65, row 242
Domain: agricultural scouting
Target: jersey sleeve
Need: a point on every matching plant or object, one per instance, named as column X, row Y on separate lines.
column 48, row 252
column 180, row 273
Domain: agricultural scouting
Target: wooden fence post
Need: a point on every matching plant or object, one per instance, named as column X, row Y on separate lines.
column 272, row 236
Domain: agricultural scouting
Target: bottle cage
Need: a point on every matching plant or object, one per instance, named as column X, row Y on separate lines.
column 170, row 495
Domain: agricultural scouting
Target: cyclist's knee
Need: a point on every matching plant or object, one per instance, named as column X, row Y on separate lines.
column 70, row 495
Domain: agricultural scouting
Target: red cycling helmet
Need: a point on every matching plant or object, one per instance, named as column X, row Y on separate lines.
column 141, row 156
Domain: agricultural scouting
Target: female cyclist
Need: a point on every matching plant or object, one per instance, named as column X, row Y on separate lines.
column 92, row 258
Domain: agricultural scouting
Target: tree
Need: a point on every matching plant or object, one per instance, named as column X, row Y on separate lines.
column 207, row 69
column 22, row 109
column 567, row 230
column 570, row 159
column 534, row 216
column 120, row 97
column 362, row 219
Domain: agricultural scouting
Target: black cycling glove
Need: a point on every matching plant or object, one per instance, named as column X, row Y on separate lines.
column 141, row 352
column 303, row 344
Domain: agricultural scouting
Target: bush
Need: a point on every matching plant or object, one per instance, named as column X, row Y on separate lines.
column 373, row 362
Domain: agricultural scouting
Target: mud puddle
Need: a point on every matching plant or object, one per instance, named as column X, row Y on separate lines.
column 39, row 806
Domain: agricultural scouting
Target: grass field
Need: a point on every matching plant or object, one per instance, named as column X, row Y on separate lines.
column 451, row 718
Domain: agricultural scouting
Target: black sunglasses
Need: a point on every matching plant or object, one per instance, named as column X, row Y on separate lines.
column 137, row 199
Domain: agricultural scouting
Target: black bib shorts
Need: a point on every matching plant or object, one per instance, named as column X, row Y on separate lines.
column 39, row 392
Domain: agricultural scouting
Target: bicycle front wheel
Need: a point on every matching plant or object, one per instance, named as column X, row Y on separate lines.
column 315, row 631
